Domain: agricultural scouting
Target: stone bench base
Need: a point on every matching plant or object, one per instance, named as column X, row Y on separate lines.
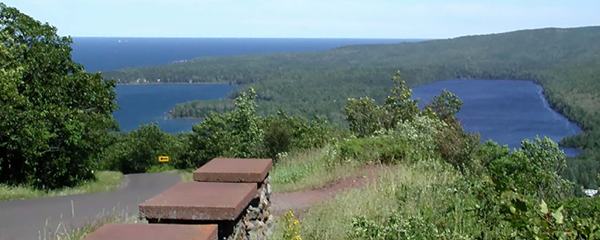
column 229, row 200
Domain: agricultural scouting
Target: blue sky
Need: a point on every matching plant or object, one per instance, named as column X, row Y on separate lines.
column 306, row 18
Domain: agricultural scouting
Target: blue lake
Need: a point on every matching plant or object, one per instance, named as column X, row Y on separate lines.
column 506, row 111
column 143, row 104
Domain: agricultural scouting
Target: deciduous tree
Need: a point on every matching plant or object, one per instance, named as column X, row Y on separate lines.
column 55, row 116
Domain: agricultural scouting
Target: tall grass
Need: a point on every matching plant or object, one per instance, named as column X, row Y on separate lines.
column 309, row 169
column 79, row 233
column 105, row 181
column 400, row 188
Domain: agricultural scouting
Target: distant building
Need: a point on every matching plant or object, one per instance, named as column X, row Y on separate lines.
column 591, row 192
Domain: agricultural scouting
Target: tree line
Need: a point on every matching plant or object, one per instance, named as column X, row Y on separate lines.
column 563, row 61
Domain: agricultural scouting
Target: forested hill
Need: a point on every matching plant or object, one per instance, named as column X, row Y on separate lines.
column 565, row 61
column 320, row 82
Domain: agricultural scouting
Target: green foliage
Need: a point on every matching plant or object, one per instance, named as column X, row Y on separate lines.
column 563, row 61
column 243, row 133
column 292, row 226
column 505, row 201
column 533, row 170
column 233, row 134
column 454, row 145
column 530, row 219
column 410, row 141
column 501, row 194
column 446, row 105
column 398, row 105
column 55, row 116
column 285, row 133
column 200, row 108
column 394, row 227
column 138, row 151
column 365, row 117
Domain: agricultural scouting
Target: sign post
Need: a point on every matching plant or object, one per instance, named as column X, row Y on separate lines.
column 163, row 159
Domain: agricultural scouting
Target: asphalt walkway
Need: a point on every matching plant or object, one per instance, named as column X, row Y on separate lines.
column 38, row 219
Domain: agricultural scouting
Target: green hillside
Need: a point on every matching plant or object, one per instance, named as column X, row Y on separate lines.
column 317, row 83
column 566, row 62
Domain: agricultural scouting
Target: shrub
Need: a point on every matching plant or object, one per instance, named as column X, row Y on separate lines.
column 399, row 105
column 285, row 133
column 410, row 141
column 533, row 219
column 394, row 227
column 233, row 134
column 445, row 106
column 455, row 146
column 243, row 133
column 138, row 150
column 532, row 170
column 365, row 117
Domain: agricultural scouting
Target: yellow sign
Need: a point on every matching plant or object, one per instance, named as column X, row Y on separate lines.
column 163, row 159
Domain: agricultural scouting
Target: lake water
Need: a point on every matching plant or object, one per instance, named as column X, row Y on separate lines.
column 105, row 54
column 143, row 104
column 505, row 111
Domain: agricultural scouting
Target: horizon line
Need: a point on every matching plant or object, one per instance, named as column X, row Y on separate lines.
column 333, row 37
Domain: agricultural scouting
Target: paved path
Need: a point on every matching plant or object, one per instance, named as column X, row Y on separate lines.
column 30, row 219
column 38, row 219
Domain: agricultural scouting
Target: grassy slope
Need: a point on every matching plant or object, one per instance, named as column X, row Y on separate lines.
column 308, row 169
column 106, row 181
column 424, row 183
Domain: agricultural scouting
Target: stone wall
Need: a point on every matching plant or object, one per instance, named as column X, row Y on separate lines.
column 257, row 221
column 231, row 197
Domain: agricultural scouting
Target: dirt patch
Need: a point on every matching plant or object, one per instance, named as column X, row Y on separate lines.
column 301, row 201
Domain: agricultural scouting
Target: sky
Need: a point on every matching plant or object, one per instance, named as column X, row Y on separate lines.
column 305, row 18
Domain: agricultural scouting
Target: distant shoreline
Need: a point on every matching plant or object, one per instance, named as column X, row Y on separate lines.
column 179, row 83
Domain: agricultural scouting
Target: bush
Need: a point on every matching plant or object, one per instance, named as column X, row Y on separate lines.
column 394, row 227
column 232, row 134
column 365, row 117
column 243, row 133
column 455, row 146
column 410, row 141
column 285, row 133
column 445, row 106
column 399, row 105
column 532, row 170
column 138, row 151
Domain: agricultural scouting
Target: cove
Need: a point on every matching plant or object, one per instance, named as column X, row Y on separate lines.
column 144, row 104
column 506, row 111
